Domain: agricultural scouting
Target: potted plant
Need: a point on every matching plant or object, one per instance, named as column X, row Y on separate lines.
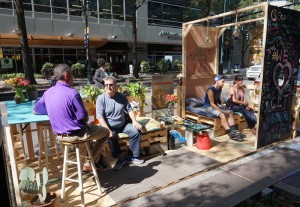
column 135, row 92
column 90, row 94
column 32, row 183
column 162, row 66
column 145, row 67
column 78, row 70
column 47, row 70
column 31, row 92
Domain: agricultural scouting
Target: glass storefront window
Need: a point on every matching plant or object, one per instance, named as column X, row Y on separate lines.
column 69, row 51
column 55, row 51
column 128, row 11
column 42, row 6
column 41, row 51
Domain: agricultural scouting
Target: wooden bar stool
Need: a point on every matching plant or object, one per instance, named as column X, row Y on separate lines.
column 46, row 135
column 77, row 162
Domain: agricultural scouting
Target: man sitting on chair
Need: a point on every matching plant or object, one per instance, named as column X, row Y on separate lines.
column 110, row 108
column 68, row 116
column 213, row 105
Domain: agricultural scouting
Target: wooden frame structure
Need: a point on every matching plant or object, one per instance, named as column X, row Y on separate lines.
column 201, row 58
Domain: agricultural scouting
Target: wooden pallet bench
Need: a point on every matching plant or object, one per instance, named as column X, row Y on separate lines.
column 153, row 134
column 217, row 128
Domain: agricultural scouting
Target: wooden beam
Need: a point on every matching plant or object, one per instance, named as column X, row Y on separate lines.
column 227, row 14
column 242, row 22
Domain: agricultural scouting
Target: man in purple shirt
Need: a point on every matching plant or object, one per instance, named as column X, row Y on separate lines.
column 68, row 116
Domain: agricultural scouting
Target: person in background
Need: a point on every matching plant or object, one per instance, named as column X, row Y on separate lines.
column 110, row 108
column 67, row 115
column 100, row 73
column 213, row 105
column 237, row 102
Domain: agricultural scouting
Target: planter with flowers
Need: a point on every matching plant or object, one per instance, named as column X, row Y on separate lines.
column 17, row 84
column 171, row 100
column 90, row 94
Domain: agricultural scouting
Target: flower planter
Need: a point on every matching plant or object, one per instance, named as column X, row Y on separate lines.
column 19, row 95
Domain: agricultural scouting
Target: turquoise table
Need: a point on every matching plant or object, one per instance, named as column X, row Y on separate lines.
column 16, row 118
column 22, row 115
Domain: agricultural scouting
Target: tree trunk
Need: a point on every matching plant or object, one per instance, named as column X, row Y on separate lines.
column 27, row 61
column 134, row 36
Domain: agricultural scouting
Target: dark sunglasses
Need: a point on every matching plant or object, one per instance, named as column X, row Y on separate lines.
column 109, row 85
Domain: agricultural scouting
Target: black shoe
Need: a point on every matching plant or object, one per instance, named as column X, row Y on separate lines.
column 237, row 132
column 119, row 164
column 235, row 136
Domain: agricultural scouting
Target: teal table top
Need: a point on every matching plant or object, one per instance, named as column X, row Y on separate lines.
column 22, row 113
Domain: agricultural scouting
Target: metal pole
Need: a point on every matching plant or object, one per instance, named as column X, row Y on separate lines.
column 86, row 42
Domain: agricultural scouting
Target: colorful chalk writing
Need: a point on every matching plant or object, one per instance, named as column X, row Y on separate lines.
column 281, row 63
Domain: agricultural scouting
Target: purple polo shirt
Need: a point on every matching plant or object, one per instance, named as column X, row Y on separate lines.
column 64, row 107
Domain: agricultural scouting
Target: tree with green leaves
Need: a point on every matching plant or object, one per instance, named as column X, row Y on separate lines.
column 136, row 4
column 27, row 61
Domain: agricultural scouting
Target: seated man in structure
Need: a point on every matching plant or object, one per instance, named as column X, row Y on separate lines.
column 213, row 105
column 110, row 108
column 68, row 116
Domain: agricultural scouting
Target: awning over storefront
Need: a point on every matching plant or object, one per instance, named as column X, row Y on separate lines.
column 35, row 40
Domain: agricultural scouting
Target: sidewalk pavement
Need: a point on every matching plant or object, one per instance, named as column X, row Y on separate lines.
column 277, row 167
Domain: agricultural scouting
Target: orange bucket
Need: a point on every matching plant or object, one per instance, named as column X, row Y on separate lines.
column 203, row 141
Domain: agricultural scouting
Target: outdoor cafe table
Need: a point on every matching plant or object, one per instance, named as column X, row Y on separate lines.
column 190, row 127
column 18, row 114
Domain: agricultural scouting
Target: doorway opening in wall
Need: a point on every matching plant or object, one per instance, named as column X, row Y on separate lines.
column 118, row 62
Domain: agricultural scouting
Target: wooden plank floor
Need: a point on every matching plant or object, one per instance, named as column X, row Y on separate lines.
column 161, row 171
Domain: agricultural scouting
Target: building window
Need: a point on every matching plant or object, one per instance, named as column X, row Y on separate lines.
column 27, row 5
column 105, row 9
column 118, row 9
column 6, row 4
column 75, row 7
column 42, row 6
column 59, row 6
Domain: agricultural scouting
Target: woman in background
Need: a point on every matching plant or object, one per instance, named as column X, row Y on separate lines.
column 100, row 73
column 237, row 102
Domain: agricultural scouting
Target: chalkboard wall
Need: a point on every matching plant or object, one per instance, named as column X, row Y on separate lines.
column 280, row 68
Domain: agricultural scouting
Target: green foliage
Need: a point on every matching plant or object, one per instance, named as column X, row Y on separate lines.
column 136, row 90
column 47, row 67
column 91, row 93
column 177, row 65
column 78, row 70
column 162, row 66
column 146, row 66
column 10, row 75
column 31, row 182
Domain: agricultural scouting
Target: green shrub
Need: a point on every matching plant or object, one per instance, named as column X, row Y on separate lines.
column 78, row 70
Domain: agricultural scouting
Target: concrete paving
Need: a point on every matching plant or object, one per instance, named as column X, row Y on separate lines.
column 232, row 183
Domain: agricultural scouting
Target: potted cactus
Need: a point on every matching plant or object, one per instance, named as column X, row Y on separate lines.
column 32, row 183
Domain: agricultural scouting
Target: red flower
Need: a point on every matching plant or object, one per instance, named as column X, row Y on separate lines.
column 171, row 99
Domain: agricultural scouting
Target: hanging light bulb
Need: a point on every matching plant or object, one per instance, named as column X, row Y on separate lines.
column 207, row 39
column 236, row 31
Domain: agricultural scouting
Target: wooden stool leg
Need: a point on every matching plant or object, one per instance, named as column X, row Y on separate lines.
column 45, row 146
column 79, row 174
column 40, row 139
column 65, row 171
column 93, row 166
